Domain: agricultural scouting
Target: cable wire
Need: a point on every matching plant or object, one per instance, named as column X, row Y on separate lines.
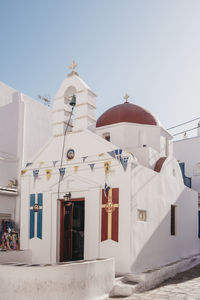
column 186, row 131
column 63, row 150
column 183, row 123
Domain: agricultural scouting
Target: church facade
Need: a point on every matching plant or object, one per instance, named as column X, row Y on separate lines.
column 106, row 188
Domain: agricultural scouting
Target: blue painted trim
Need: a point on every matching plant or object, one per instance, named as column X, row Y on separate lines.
column 40, row 197
column 32, row 223
column 199, row 224
column 39, row 224
column 32, row 199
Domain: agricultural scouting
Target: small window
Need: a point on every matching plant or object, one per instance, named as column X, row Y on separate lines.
column 142, row 215
column 106, row 136
column 173, row 219
column 174, row 172
column 199, row 200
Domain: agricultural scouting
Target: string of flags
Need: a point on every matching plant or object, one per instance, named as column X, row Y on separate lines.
column 117, row 154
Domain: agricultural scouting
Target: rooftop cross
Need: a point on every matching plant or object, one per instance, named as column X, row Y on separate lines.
column 72, row 67
column 126, row 98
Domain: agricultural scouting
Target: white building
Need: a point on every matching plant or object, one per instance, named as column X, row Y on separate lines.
column 186, row 151
column 146, row 219
column 25, row 125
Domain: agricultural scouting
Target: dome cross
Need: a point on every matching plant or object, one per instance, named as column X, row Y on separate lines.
column 126, row 98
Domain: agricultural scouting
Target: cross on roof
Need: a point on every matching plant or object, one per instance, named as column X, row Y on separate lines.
column 73, row 66
column 126, row 97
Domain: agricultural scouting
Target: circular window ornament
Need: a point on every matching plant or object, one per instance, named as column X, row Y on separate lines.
column 35, row 207
column 70, row 154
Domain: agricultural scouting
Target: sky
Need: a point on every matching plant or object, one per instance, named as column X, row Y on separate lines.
column 149, row 49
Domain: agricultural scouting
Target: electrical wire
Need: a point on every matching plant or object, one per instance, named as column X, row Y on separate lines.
column 183, row 123
column 63, row 149
column 185, row 131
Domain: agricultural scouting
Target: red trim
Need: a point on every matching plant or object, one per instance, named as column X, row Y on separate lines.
column 159, row 164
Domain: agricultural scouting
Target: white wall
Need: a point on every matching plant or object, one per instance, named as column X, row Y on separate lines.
column 187, row 151
column 85, row 281
column 25, row 125
column 151, row 242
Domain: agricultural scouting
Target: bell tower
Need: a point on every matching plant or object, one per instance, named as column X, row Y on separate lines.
column 73, row 89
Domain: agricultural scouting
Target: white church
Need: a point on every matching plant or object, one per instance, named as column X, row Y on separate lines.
column 106, row 188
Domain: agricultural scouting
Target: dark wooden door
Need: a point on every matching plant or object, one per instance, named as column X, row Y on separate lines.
column 72, row 230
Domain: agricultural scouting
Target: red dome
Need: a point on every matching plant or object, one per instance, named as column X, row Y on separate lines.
column 126, row 112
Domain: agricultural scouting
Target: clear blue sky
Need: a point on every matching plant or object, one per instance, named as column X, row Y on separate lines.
column 149, row 49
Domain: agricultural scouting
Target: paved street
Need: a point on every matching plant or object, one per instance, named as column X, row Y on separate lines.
column 184, row 286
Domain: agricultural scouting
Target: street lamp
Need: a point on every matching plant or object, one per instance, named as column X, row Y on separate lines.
column 67, row 196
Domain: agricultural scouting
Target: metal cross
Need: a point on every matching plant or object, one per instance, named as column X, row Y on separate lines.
column 126, row 97
column 73, row 66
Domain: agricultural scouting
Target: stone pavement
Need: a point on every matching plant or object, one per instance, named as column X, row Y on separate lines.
column 184, row 286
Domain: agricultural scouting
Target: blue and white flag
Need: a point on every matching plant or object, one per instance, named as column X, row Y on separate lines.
column 91, row 166
column 35, row 173
column 106, row 189
column 28, row 164
column 118, row 153
column 124, row 162
column 112, row 153
column 84, row 158
column 62, row 172
column 55, row 162
column 36, row 215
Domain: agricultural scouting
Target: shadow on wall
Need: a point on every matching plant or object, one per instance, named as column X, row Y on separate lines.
column 159, row 246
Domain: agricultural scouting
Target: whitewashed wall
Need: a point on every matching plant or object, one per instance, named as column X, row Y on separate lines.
column 187, row 151
column 151, row 243
column 25, row 126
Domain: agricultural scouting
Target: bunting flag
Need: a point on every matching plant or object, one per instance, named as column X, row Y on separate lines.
column 118, row 153
column 41, row 163
column 91, row 166
column 110, row 215
column 75, row 168
column 124, row 161
column 62, row 172
column 35, row 174
column 107, row 167
column 100, row 154
column 84, row 158
column 48, row 173
column 23, row 172
column 36, row 215
column 106, row 189
column 28, row 164
column 112, row 153
column 55, row 162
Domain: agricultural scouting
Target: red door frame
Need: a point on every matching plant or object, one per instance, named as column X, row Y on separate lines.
column 63, row 203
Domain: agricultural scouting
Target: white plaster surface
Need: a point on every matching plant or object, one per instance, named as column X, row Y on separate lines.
column 187, row 151
column 74, row 281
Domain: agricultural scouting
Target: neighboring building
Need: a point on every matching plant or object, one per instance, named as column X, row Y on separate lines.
column 187, row 152
column 126, row 196
column 25, row 126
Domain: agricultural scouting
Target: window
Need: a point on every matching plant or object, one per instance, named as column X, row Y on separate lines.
column 174, row 172
column 173, row 219
column 106, row 136
column 142, row 215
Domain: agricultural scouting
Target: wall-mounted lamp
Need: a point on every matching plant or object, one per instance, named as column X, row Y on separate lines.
column 67, row 196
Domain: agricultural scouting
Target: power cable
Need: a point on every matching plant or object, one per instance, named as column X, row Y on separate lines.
column 63, row 146
column 183, row 123
column 186, row 131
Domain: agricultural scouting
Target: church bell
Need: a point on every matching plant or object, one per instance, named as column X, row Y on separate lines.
column 73, row 101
